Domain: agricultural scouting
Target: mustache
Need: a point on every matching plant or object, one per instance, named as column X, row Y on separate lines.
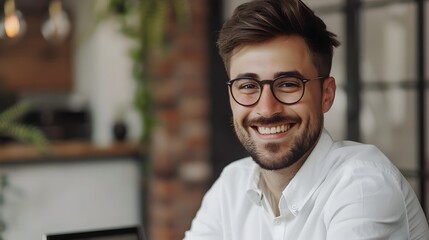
column 272, row 120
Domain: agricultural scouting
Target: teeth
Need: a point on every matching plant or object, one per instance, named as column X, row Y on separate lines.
column 273, row 130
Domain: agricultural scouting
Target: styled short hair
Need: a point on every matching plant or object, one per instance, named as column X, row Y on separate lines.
column 263, row 20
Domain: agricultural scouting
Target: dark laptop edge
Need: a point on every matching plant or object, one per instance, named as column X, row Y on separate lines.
column 97, row 233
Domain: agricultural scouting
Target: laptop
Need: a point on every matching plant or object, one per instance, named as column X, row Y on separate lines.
column 123, row 233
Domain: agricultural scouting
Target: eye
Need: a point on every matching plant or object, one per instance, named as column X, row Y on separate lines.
column 246, row 85
column 289, row 84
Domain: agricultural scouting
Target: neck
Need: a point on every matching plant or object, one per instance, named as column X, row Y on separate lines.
column 276, row 181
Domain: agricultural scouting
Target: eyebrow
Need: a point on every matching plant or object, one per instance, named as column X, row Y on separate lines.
column 289, row 74
column 276, row 75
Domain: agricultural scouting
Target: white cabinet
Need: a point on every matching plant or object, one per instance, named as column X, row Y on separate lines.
column 70, row 196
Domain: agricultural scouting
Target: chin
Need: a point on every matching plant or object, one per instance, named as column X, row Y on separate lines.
column 275, row 162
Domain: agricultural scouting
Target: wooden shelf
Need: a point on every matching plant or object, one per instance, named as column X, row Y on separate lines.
column 67, row 150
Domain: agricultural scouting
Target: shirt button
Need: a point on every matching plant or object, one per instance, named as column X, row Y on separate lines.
column 294, row 209
column 276, row 221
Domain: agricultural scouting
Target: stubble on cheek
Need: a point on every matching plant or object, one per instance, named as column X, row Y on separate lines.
column 244, row 136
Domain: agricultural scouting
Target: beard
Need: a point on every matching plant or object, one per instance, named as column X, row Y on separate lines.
column 278, row 155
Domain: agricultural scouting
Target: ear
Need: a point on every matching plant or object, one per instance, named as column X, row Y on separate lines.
column 328, row 93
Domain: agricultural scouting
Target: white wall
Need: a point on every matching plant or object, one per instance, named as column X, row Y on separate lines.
column 103, row 71
column 70, row 196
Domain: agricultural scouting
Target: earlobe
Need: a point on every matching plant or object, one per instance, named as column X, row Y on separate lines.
column 328, row 95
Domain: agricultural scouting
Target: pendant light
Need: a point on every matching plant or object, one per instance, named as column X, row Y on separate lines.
column 12, row 25
column 56, row 27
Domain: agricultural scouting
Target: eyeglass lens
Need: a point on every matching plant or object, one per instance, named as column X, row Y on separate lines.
column 288, row 90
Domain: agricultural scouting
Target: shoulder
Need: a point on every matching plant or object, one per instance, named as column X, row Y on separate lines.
column 357, row 158
column 230, row 188
column 239, row 171
column 355, row 149
column 364, row 188
column 363, row 177
column 363, row 172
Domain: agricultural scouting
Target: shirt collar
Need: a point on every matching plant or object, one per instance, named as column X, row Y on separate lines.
column 305, row 182
column 253, row 191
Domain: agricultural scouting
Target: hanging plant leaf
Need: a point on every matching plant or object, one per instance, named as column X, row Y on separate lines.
column 11, row 127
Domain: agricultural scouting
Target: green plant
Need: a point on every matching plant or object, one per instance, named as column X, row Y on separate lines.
column 11, row 127
column 145, row 22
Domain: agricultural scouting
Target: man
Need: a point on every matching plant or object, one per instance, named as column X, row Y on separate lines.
column 298, row 183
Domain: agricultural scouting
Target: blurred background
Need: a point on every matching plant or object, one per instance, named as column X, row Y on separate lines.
column 129, row 98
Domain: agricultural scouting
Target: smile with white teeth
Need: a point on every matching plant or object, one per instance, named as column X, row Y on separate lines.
column 274, row 130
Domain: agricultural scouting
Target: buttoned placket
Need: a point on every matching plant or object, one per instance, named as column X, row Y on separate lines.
column 278, row 228
column 281, row 222
column 278, row 223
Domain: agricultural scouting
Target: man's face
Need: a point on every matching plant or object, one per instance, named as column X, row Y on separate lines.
column 297, row 127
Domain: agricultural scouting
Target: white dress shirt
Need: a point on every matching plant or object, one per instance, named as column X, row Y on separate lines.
column 344, row 191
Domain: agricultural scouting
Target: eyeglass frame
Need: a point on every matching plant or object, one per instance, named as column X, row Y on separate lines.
column 270, row 82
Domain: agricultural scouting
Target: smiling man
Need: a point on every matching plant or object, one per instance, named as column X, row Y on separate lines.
column 297, row 183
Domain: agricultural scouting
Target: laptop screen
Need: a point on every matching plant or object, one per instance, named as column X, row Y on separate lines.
column 128, row 233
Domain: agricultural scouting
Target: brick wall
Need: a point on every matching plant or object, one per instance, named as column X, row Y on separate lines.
column 180, row 144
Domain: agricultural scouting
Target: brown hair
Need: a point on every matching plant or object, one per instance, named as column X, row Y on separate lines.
column 262, row 20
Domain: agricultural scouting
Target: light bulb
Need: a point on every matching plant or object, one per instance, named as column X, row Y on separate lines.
column 12, row 25
column 57, row 26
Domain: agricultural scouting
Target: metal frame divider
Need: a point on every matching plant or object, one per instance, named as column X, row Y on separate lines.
column 421, row 101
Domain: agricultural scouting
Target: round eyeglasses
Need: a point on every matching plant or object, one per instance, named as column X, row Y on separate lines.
column 288, row 90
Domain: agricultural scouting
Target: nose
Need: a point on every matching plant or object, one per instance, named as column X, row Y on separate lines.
column 268, row 105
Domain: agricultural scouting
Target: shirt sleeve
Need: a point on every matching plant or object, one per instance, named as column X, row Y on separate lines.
column 367, row 204
column 207, row 222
